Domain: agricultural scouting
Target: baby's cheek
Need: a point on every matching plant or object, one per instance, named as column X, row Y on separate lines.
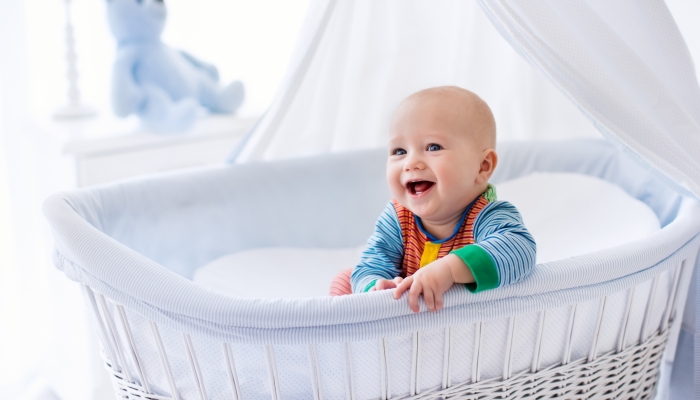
column 397, row 191
column 394, row 183
column 456, row 186
column 448, row 178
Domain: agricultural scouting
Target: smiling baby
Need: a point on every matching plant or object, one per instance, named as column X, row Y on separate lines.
column 444, row 225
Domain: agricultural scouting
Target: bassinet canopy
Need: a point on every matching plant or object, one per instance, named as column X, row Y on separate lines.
column 624, row 65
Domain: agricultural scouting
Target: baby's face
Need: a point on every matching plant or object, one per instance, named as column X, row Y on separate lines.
column 435, row 162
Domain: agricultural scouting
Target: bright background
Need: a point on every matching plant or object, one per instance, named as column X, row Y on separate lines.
column 246, row 40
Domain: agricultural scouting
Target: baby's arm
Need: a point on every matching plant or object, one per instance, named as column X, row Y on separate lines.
column 504, row 253
column 380, row 263
column 384, row 284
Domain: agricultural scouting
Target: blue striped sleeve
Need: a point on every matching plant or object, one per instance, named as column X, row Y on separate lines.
column 500, row 231
column 383, row 256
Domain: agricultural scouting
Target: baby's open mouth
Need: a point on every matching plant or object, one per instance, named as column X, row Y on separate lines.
column 419, row 187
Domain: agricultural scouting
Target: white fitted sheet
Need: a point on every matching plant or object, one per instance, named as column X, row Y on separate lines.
column 275, row 272
column 568, row 214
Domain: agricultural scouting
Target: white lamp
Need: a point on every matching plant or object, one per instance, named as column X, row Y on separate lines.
column 74, row 109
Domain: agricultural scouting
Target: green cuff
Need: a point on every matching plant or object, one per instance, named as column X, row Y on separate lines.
column 480, row 262
column 370, row 286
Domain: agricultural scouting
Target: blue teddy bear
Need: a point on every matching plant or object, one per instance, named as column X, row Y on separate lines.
column 162, row 85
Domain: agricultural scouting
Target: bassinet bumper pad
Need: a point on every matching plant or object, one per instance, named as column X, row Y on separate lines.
column 133, row 245
column 568, row 214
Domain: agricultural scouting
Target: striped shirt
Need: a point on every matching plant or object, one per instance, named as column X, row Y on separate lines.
column 490, row 238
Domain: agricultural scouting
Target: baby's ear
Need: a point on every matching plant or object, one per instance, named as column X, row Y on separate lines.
column 488, row 164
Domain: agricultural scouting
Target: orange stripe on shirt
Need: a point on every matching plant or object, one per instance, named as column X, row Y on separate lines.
column 414, row 240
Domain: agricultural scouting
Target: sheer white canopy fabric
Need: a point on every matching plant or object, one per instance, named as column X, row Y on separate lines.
column 625, row 65
column 356, row 60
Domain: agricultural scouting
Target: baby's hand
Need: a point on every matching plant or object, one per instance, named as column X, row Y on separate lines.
column 383, row 284
column 433, row 280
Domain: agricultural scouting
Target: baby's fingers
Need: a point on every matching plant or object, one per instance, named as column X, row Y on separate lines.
column 438, row 300
column 413, row 294
column 429, row 298
column 383, row 284
column 403, row 286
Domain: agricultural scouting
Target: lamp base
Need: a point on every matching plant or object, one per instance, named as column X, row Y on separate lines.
column 75, row 111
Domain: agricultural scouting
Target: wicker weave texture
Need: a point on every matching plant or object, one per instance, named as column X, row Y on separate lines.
column 630, row 371
column 630, row 374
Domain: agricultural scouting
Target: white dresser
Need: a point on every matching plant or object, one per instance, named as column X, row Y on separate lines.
column 107, row 149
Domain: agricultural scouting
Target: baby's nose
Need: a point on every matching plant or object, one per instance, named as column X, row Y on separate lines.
column 414, row 164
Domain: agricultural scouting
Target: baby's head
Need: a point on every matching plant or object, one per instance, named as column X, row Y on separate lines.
column 441, row 151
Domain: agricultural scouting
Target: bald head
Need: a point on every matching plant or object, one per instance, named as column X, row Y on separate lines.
column 466, row 112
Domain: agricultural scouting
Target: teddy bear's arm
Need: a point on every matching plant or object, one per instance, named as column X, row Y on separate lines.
column 127, row 95
column 209, row 69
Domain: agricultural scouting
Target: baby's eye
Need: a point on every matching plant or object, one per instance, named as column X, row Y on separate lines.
column 434, row 147
column 399, row 152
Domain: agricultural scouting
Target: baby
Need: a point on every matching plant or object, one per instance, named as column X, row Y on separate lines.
column 444, row 225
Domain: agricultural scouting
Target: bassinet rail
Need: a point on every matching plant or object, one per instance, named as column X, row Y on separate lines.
column 593, row 326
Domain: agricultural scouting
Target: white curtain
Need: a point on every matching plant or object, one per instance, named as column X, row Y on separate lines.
column 21, row 343
column 42, row 326
column 355, row 60
column 625, row 65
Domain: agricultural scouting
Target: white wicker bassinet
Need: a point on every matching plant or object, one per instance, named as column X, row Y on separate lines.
column 592, row 327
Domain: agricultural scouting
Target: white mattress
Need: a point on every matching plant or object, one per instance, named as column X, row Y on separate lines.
column 568, row 214
column 275, row 272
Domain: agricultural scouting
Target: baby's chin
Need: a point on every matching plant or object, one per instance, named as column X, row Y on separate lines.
column 424, row 208
column 428, row 215
column 432, row 209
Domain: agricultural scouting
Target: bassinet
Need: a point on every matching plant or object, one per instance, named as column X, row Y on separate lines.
column 592, row 327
